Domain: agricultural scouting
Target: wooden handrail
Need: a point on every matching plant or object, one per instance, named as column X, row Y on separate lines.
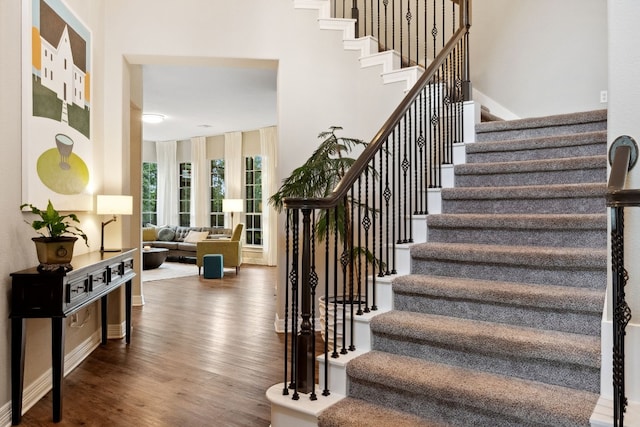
column 375, row 145
column 617, row 196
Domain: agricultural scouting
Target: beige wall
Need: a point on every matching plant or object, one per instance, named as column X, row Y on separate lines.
column 18, row 251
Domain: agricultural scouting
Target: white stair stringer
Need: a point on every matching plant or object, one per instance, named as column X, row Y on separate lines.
column 392, row 71
column 410, row 75
column 366, row 45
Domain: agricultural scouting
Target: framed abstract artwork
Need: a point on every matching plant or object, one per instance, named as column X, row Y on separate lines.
column 57, row 152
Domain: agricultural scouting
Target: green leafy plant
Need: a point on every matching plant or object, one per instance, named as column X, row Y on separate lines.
column 52, row 225
column 317, row 177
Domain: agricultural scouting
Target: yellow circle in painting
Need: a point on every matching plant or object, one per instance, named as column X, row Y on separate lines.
column 64, row 176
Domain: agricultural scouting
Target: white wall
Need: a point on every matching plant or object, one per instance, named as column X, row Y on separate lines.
column 540, row 57
column 319, row 84
column 624, row 107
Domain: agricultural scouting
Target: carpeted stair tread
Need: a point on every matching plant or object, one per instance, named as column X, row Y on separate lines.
column 350, row 412
column 545, row 165
column 527, row 192
column 492, row 395
column 547, row 306
column 489, row 338
column 587, row 258
column 544, row 121
column 562, row 298
column 547, row 125
column 516, row 221
column 547, row 147
column 570, row 230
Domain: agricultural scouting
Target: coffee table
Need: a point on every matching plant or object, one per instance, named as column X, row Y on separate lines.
column 153, row 258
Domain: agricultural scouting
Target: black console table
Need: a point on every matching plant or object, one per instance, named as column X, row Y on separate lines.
column 56, row 295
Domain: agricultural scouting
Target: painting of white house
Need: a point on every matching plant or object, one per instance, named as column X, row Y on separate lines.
column 57, row 151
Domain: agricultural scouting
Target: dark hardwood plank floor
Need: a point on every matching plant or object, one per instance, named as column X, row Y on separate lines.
column 203, row 353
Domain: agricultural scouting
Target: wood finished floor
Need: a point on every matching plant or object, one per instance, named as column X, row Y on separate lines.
column 202, row 353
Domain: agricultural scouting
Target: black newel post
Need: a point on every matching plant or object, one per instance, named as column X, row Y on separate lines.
column 306, row 336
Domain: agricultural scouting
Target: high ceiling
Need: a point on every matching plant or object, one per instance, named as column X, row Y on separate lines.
column 208, row 100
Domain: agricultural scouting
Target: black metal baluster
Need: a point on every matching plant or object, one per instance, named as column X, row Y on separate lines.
column 421, row 164
column 355, row 14
column 621, row 314
column 406, row 164
column 434, row 30
column 366, row 224
column 335, row 282
column 313, row 285
column 374, row 174
column 351, row 236
column 359, row 252
column 326, row 391
column 417, row 33
column 294, row 306
column 393, row 25
column 387, row 197
column 408, row 17
column 344, row 261
column 386, row 24
column 394, row 191
column 285, row 390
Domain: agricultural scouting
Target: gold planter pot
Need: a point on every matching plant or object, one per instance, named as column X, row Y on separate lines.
column 54, row 253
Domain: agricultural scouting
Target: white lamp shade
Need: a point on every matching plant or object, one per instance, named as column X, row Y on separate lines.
column 114, row 205
column 232, row 205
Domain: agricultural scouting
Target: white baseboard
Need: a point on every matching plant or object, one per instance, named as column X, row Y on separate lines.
column 33, row 392
column 117, row 331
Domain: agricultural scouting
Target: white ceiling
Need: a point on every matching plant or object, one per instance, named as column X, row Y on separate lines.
column 208, row 100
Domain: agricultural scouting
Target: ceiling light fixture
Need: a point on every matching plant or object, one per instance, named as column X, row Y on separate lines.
column 152, row 118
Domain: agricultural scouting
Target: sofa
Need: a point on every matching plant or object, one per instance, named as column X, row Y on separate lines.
column 230, row 249
column 179, row 240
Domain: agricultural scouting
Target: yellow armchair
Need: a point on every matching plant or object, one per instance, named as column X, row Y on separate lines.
column 230, row 249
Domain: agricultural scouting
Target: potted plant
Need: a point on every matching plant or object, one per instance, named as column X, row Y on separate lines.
column 317, row 178
column 58, row 234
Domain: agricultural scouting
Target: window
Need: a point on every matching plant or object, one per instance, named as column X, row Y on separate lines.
column 253, row 200
column 149, row 193
column 184, row 206
column 217, row 192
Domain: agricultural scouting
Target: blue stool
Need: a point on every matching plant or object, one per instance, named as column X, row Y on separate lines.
column 213, row 266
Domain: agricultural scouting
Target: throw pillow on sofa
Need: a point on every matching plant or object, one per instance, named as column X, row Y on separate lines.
column 149, row 234
column 195, row 236
column 166, row 234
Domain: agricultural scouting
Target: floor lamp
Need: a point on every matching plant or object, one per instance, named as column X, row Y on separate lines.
column 232, row 205
column 112, row 205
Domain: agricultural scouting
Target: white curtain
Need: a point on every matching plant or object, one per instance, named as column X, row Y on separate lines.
column 167, row 182
column 269, row 150
column 233, row 168
column 199, row 183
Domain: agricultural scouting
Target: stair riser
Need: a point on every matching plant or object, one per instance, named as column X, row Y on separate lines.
column 578, row 205
column 539, row 154
column 488, row 358
column 531, row 178
column 532, row 237
column 541, row 131
column 527, row 272
column 557, row 320
column 432, row 405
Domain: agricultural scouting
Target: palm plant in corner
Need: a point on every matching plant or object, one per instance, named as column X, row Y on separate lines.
column 317, row 177
column 57, row 237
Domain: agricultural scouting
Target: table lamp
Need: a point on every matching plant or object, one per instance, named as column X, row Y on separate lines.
column 112, row 205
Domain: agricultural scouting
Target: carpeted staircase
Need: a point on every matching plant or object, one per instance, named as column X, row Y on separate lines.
column 498, row 323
